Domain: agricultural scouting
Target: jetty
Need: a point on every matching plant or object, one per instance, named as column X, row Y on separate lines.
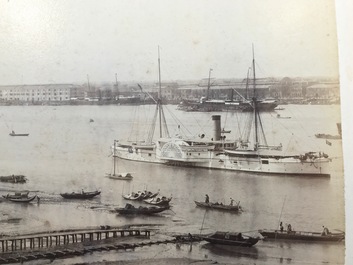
column 61, row 244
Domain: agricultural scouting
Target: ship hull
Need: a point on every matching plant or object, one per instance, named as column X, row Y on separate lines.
column 222, row 161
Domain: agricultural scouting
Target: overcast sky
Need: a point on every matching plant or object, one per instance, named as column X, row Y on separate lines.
column 44, row 41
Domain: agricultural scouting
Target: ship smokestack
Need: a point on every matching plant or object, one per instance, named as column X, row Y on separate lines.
column 217, row 127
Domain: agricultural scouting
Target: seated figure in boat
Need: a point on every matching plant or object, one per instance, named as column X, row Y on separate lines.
column 289, row 228
column 325, row 232
column 231, row 202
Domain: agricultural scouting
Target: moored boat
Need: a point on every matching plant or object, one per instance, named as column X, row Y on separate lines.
column 13, row 179
column 116, row 175
column 231, row 239
column 80, row 195
column 140, row 196
column 302, row 235
column 121, row 176
column 219, row 206
column 18, row 134
column 130, row 209
column 19, row 197
column 159, row 201
column 328, row 136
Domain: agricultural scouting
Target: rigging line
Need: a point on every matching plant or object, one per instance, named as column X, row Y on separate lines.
column 204, row 216
column 153, row 126
column 288, row 145
column 293, row 135
column 261, row 70
column 178, row 120
column 238, row 123
column 165, row 123
column 262, row 129
column 206, row 123
column 313, row 144
column 133, row 125
column 5, row 121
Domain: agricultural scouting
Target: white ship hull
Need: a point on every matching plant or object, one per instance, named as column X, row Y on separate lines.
column 286, row 165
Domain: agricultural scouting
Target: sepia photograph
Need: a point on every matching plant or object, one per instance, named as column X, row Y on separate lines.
column 174, row 132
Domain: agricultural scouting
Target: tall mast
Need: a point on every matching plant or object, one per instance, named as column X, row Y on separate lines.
column 116, row 84
column 254, row 99
column 89, row 88
column 159, row 96
column 247, row 85
column 209, row 84
column 114, row 156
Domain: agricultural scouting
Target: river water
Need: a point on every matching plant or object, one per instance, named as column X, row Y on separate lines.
column 66, row 152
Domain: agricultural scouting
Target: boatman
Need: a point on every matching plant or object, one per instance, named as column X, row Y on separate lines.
column 207, row 200
column 281, row 227
column 325, row 232
column 289, row 228
column 231, row 202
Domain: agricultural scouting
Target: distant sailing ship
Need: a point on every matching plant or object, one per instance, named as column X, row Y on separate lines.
column 243, row 104
column 219, row 153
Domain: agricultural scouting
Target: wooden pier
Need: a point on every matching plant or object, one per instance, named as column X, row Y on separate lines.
column 55, row 245
column 47, row 240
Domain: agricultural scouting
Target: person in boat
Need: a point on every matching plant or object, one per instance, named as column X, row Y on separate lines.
column 82, row 192
column 231, row 202
column 325, row 232
column 207, row 199
column 281, row 227
column 158, row 199
column 289, row 228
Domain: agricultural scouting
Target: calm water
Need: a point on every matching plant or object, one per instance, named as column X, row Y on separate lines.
column 65, row 152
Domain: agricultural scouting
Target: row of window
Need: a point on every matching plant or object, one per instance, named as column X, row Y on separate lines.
column 39, row 99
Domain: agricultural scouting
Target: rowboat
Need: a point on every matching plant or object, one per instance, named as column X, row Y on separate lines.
column 18, row 134
column 159, row 201
column 80, row 195
column 140, row 196
column 19, row 197
column 219, row 206
column 130, row 209
column 302, row 235
column 120, row 176
column 231, row 239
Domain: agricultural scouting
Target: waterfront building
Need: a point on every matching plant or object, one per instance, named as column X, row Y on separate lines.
column 36, row 93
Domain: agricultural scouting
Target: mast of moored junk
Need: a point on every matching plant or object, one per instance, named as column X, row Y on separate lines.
column 209, row 84
column 254, row 99
column 114, row 157
column 159, row 103
column 116, row 85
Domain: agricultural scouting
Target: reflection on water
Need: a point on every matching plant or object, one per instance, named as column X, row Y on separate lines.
column 233, row 251
column 65, row 153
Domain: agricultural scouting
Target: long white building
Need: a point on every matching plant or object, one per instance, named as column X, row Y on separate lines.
column 32, row 93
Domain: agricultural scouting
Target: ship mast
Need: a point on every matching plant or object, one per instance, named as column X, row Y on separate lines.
column 159, row 100
column 254, row 99
column 258, row 122
column 116, row 85
column 209, row 84
column 114, row 157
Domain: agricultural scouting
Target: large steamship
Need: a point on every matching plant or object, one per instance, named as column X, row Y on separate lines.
column 221, row 153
